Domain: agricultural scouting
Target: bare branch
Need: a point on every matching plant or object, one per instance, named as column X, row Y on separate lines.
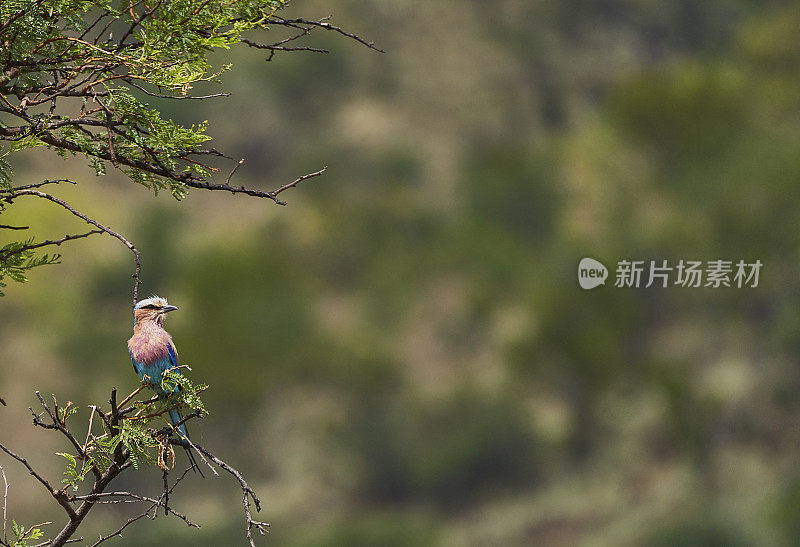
column 273, row 47
column 298, row 180
column 118, row 532
column 322, row 23
column 58, row 495
column 137, row 498
column 256, row 193
column 58, row 424
column 235, row 168
column 131, row 396
column 129, row 497
column 247, row 494
column 38, row 185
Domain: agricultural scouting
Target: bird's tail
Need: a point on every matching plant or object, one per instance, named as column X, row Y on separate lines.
column 175, row 417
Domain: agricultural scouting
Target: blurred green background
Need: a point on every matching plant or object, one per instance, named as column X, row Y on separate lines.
column 402, row 356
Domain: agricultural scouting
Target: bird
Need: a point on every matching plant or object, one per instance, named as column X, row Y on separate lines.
column 153, row 352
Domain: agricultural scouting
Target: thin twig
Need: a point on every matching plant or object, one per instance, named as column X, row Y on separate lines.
column 273, row 47
column 58, row 495
column 46, row 243
column 39, row 185
column 138, row 498
column 118, row 532
column 256, row 193
column 132, row 395
column 50, row 542
column 235, row 168
column 58, row 424
column 298, row 180
column 325, row 25
column 5, row 504
column 247, row 494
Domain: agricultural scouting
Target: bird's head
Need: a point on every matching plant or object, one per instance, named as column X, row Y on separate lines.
column 152, row 309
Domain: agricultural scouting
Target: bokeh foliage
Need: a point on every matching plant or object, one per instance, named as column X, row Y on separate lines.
column 404, row 356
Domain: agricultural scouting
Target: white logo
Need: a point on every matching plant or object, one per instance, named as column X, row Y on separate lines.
column 591, row 273
column 710, row 274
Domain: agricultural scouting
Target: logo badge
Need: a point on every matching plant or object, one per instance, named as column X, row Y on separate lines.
column 591, row 273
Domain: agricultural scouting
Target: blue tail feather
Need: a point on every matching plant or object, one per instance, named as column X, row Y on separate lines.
column 175, row 417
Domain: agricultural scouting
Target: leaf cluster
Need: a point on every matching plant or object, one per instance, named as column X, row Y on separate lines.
column 143, row 442
column 16, row 259
column 24, row 534
column 147, row 444
column 65, row 53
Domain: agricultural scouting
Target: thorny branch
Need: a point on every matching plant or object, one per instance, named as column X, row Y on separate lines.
column 76, row 507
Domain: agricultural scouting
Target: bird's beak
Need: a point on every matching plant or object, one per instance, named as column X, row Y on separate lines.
column 166, row 309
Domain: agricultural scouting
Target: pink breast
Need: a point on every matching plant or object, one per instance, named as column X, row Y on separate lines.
column 149, row 345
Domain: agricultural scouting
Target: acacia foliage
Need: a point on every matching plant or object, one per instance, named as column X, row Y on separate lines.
column 76, row 77
column 75, row 72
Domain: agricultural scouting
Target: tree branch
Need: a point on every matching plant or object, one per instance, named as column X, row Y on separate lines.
column 121, row 461
column 60, row 425
column 38, row 185
column 323, row 23
column 247, row 494
column 256, row 193
column 58, row 495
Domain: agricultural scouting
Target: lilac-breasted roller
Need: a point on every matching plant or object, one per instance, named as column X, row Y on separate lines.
column 153, row 352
